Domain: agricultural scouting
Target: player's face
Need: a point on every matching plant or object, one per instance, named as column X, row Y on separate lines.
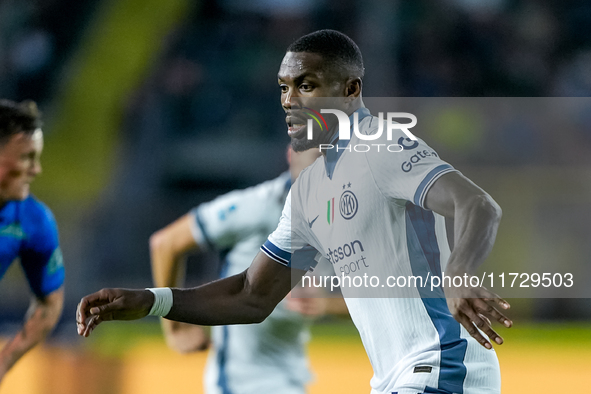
column 25, row 153
column 303, row 78
column 9, row 153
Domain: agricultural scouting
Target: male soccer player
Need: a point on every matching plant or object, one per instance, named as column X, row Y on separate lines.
column 392, row 216
column 27, row 228
column 246, row 359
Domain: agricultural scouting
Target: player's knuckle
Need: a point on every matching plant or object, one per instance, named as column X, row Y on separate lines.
column 489, row 309
column 484, row 310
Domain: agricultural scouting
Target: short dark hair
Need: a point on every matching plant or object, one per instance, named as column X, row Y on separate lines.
column 18, row 118
column 335, row 47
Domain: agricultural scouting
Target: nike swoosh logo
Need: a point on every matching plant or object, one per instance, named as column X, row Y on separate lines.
column 312, row 222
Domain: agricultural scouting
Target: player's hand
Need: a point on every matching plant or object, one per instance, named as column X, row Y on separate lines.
column 476, row 307
column 183, row 337
column 112, row 304
column 306, row 302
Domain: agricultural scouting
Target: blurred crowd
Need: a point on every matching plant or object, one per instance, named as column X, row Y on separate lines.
column 217, row 74
column 36, row 39
column 215, row 77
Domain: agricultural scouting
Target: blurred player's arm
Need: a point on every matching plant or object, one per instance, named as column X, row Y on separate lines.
column 314, row 302
column 248, row 297
column 306, row 302
column 42, row 316
column 476, row 218
column 168, row 248
column 42, row 262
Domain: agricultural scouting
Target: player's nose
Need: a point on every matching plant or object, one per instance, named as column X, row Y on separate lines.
column 286, row 100
column 35, row 169
column 291, row 101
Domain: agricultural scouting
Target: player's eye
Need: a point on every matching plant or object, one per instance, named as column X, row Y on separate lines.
column 283, row 88
column 306, row 87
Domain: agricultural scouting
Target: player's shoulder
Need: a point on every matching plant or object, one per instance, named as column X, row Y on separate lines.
column 264, row 192
column 309, row 179
column 31, row 206
column 273, row 188
column 312, row 172
column 253, row 198
column 34, row 214
column 370, row 125
column 394, row 145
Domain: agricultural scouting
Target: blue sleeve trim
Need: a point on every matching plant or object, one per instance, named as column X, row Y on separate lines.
column 279, row 255
column 427, row 182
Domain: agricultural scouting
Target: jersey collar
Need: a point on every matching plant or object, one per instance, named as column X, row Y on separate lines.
column 333, row 155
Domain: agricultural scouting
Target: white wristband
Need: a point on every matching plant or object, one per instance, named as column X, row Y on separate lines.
column 162, row 301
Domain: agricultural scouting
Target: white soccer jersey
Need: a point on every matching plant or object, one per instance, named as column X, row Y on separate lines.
column 365, row 213
column 257, row 358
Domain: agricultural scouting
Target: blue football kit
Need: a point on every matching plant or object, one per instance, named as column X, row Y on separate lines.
column 28, row 232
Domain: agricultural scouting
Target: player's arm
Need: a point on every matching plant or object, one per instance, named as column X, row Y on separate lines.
column 41, row 318
column 476, row 218
column 42, row 262
column 168, row 248
column 248, row 297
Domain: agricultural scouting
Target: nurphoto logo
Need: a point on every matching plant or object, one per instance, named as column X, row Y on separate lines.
column 345, row 129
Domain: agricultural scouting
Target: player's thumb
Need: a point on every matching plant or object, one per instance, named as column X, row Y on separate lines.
column 104, row 309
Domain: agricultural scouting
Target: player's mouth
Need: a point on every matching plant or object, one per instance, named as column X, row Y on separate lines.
column 295, row 129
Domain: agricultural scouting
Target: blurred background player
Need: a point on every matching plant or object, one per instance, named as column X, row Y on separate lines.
column 27, row 228
column 246, row 359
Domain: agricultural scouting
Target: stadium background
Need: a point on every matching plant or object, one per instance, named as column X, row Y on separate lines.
column 154, row 106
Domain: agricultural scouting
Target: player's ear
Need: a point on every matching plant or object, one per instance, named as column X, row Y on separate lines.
column 353, row 87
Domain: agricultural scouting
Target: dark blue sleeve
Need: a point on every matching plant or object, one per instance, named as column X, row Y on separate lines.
column 41, row 256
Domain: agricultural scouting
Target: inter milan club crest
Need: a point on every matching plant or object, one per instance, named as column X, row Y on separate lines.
column 348, row 205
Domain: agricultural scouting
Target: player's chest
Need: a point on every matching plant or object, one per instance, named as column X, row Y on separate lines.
column 343, row 207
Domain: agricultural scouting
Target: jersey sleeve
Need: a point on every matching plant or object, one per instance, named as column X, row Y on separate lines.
column 287, row 244
column 40, row 255
column 409, row 173
column 220, row 223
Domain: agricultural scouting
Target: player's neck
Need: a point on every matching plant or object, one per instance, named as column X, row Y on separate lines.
column 355, row 105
